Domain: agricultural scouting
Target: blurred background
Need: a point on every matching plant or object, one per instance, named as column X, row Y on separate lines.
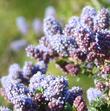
column 21, row 24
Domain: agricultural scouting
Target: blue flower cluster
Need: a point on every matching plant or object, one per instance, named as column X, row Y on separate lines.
column 29, row 89
column 52, row 26
column 47, row 91
column 85, row 38
column 39, row 52
column 18, row 75
column 89, row 30
column 55, row 90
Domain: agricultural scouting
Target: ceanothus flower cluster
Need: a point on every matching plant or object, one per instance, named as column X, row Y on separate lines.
column 29, row 89
column 16, row 74
column 43, row 91
column 91, row 33
column 85, row 38
column 55, row 90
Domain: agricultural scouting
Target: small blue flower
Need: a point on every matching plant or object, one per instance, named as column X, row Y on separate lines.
column 93, row 94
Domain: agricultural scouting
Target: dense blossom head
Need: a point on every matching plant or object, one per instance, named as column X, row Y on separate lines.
column 63, row 45
column 39, row 52
column 87, row 16
column 19, row 95
column 39, row 92
column 103, row 42
column 48, row 83
column 102, row 20
column 15, row 73
column 30, row 69
column 80, row 104
column 56, row 104
column 24, row 103
column 51, row 26
column 70, row 27
column 61, row 94
column 83, row 38
column 88, row 11
column 15, row 89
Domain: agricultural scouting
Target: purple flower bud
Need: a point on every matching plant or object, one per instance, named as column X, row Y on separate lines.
column 80, row 104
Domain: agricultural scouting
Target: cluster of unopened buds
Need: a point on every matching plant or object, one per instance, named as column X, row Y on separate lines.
column 84, row 39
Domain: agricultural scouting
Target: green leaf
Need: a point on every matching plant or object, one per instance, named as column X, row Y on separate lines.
column 74, row 109
column 40, row 90
column 68, row 107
